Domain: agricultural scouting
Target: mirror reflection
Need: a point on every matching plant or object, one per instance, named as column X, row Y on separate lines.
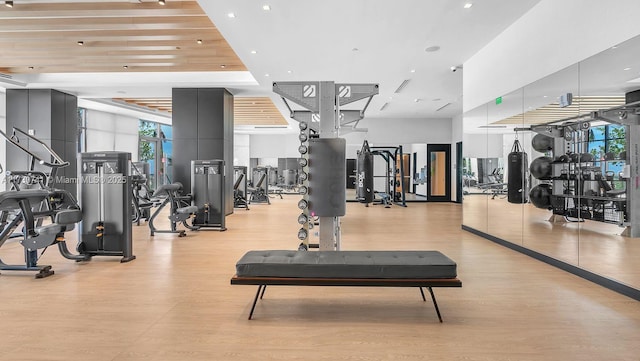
column 580, row 201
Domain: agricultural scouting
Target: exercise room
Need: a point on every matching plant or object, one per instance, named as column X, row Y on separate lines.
column 319, row 180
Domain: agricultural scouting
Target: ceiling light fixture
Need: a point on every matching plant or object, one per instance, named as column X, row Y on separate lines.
column 223, row 66
column 289, row 71
column 81, row 43
column 412, row 70
column 417, row 100
column 625, row 69
column 266, row 7
column 431, row 49
column 8, row 4
column 231, row 15
column 162, row 2
column 468, row 5
column 31, row 68
column 254, row 52
column 267, row 74
column 199, row 41
column 125, row 66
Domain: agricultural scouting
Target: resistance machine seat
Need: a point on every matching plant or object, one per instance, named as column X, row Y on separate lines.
column 142, row 202
column 19, row 207
column 258, row 194
column 239, row 197
column 181, row 208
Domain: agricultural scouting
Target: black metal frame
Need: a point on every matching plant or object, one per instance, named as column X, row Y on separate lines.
column 262, row 283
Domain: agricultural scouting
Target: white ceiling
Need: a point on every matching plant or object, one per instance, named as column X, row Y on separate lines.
column 315, row 40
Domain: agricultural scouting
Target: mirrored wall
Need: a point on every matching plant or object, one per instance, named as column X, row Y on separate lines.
column 546, row 167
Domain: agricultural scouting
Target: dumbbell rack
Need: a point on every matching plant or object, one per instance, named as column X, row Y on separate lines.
column 323, row 153
column 571, row 180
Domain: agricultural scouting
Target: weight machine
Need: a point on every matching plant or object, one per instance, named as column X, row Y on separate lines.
column 323, row 153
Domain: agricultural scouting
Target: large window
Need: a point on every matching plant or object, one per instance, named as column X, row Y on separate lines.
column 155, row 148
column 606, row 142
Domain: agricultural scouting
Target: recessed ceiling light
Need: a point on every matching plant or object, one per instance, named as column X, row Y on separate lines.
column 125, row 67
column 31, row 68
column 412, row 70
column 162, row 2
column 417, row 100
column 625, row 69
column 231, row 15
column 267, row 74
column 81, row 43
column 266, row 7
column 468, row 5
column 8, row 4
column 544, row 96
column 199, row 41
column 289, row 71
column 223, row 66
column 254, row 52
column 614, row 47
column 431, row 49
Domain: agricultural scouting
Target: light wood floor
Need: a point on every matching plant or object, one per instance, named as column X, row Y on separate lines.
column 594, row 246
column 175, row 301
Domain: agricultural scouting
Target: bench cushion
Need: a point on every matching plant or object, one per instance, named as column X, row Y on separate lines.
column 346, row 264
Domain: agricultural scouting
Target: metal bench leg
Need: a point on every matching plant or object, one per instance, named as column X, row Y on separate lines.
column 422, row 293
column 264, row 287
column 435, row 304
column 255, row 300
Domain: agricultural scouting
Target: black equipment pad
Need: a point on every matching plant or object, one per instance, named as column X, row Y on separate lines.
column 347, row 265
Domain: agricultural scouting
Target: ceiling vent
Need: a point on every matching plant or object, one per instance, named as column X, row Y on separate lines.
column 384, row 106
column 442, row 107
column 402, row 86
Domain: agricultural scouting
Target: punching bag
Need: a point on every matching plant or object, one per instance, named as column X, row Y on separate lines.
column 364, row 181
column 517, row 174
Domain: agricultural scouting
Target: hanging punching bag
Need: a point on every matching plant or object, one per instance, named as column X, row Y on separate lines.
column 364, row 181
column 517, row 174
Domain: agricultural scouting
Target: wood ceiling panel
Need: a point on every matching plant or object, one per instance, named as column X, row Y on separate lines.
column 247, row 111
column 43, row 38
column 552, row 112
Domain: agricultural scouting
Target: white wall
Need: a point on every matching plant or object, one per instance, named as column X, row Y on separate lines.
column 482, row 145
column 551, row 36
column 274, row 146
column 108, row 131
column 241, row 150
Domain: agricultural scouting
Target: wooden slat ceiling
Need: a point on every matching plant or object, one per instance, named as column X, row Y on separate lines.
column 143, row 36
column 259, row 111
column 553, row 112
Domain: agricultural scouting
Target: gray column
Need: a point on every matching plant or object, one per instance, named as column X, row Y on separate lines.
column 51, row 116
column 203, row 129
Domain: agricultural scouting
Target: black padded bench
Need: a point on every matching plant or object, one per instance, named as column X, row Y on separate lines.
column 347, row 268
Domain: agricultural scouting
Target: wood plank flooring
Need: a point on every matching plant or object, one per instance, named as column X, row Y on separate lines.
column 175, row 302
column 594, row 246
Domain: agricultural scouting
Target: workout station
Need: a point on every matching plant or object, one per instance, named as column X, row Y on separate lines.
column 200, row 146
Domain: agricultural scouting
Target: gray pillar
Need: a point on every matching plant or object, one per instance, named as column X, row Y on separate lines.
column 51, row 116
column 202, row 130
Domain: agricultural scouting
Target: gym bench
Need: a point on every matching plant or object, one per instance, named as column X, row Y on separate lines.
column 421, row 269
